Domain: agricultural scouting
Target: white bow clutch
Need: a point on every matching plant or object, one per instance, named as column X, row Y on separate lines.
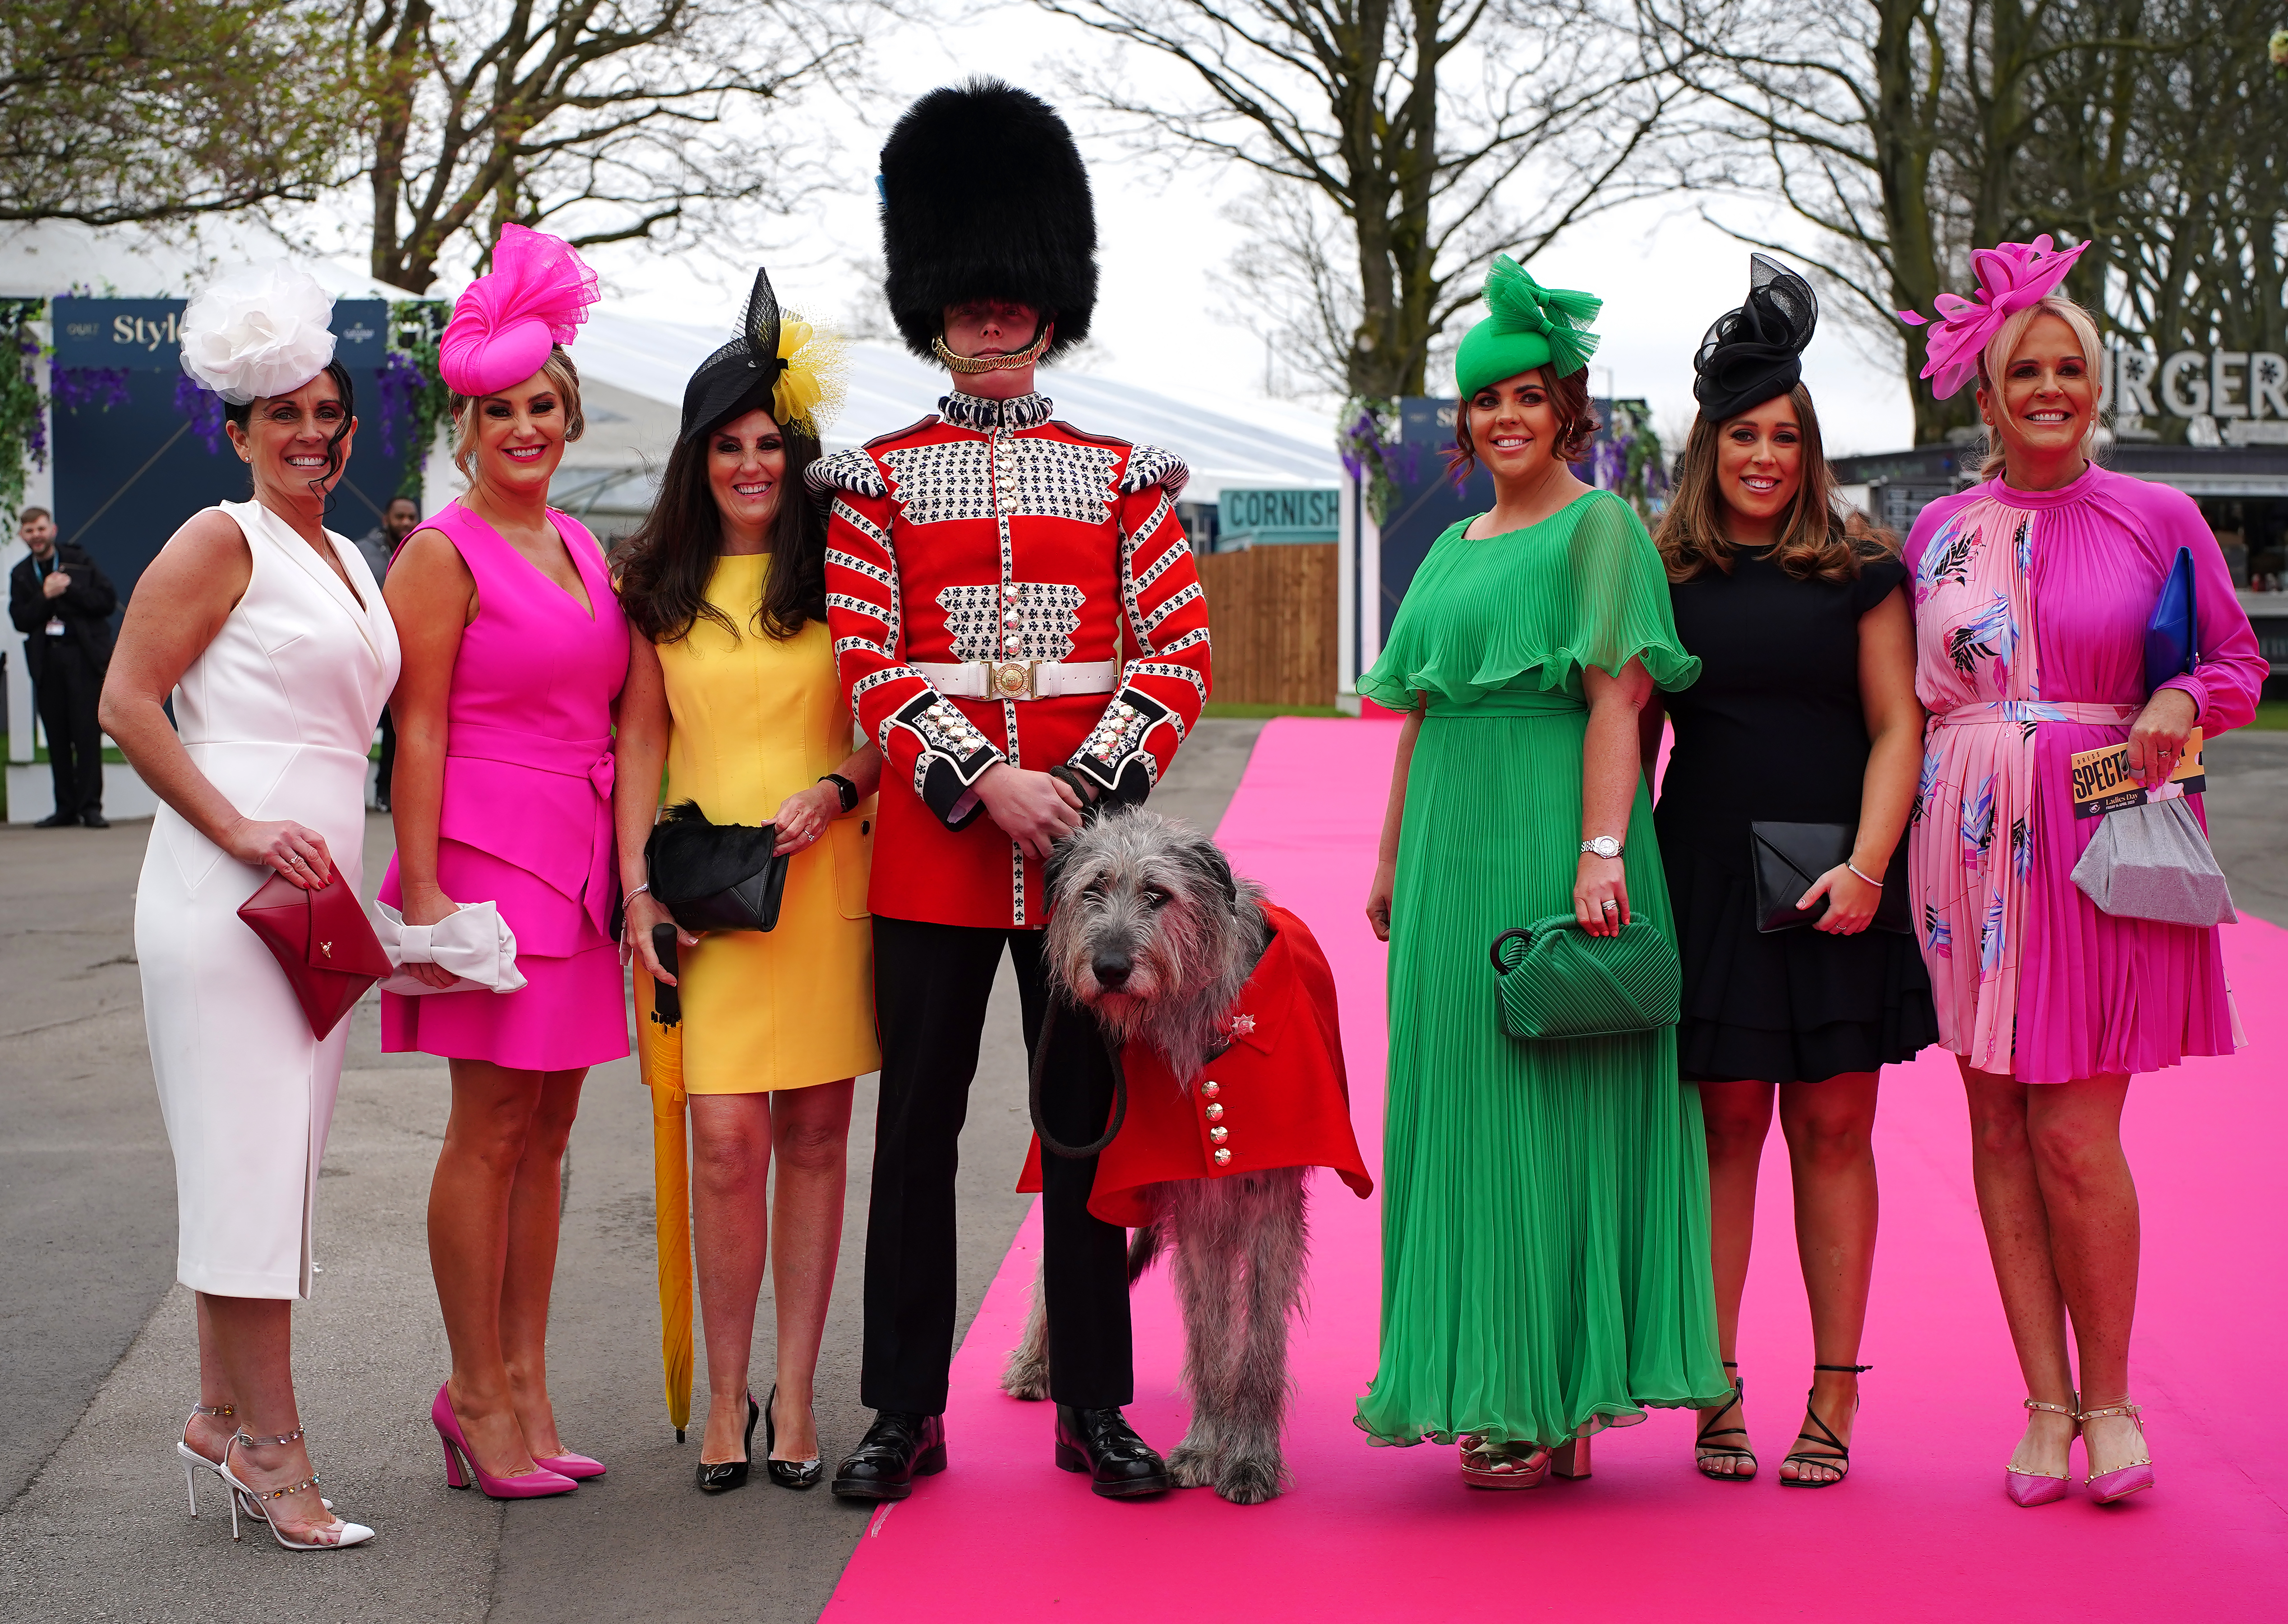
column 474, row 943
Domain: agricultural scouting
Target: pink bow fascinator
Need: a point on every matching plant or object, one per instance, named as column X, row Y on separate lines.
column 534, row 297
column 2012, row 277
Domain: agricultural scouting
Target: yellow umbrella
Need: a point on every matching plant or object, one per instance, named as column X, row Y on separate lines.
column 660, row 1055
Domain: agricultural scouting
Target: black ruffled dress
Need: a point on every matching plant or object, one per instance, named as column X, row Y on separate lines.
column 1774, row 732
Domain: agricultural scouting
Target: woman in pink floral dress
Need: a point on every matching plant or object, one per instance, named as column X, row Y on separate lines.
column 2032, row 593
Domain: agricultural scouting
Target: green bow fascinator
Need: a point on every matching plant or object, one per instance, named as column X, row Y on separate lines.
column 1531, row 326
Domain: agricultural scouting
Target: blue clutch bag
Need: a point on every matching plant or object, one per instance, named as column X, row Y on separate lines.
column 2172, row 637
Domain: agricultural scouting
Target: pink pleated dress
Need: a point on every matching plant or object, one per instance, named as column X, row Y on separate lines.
column 2031, row 610
column 526, row 818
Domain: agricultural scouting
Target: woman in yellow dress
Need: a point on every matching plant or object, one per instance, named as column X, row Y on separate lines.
column 732, row 688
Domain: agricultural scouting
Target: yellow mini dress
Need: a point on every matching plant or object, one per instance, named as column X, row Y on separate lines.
column 756, row 720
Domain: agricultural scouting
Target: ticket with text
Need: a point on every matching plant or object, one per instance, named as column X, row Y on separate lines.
column 2103, row 782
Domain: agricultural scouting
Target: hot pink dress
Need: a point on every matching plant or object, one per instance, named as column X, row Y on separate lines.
column 526, row 818
column 2031, row 610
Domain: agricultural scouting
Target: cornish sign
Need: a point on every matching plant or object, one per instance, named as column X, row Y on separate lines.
column 144, row 335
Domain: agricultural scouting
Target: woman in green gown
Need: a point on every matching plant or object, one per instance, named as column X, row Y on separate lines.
column 1545, row 1256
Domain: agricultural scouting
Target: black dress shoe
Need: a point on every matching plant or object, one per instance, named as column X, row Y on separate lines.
column 96, row 820
column 899, row 1447
column 58, row 820
column 1101, row 1442
column 786, row 1474
column 718, row 1476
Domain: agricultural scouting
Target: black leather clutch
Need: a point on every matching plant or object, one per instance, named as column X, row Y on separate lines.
column 1786, row 858
column 715, row 876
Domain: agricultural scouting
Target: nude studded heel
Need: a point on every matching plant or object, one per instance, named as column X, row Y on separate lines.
column 2122, row 1482
column 2031, row 1489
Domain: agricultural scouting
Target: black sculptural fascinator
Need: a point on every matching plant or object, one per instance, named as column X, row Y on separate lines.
column 779, row 362
column 1755, row 353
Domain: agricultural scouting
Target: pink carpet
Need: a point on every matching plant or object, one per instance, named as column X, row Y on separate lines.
column 1922, row 1530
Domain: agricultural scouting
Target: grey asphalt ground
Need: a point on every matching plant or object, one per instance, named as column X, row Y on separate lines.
column 98, row 1347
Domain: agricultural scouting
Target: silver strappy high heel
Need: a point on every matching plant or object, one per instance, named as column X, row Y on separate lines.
column 194, row 1463
column 339, row 1536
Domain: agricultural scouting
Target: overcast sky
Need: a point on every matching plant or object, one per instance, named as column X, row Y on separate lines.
column 1163, row 317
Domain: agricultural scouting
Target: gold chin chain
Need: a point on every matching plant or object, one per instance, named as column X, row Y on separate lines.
column 970, row 365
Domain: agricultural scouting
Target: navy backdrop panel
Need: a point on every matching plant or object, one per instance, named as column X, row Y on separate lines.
column 128, row 475
column 1426, row 501
column 108, row 501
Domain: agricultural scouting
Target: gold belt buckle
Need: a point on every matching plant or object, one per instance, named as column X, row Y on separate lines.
column 1010, row 679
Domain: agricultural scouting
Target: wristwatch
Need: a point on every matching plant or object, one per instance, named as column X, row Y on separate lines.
column 1604, row 846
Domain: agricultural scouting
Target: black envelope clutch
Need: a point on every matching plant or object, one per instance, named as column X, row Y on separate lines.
column 1786, row 858
column 715, row 876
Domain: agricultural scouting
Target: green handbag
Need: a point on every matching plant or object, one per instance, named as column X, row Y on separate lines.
column 1555, row 981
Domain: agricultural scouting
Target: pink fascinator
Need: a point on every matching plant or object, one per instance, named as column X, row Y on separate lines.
column 2011, row 277
column 534, row 297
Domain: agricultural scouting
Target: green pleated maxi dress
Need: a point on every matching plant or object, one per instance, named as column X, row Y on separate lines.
column 1545, row 1218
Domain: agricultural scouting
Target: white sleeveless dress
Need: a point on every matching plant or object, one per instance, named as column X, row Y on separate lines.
column 278, row 713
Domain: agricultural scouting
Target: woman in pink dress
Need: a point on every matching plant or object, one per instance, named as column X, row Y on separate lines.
column 515, row 651
column 2032, row 595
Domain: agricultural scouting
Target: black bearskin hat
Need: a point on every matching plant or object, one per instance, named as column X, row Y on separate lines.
column 1755, row 353
column 984, row 196
column 743, row 374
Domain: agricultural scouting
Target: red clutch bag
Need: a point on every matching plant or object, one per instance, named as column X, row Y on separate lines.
column 323, row 942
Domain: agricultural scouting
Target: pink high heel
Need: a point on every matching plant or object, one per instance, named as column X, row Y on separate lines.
column 2122, row 1482
column 461, row 1465
column 2030, row 1489
column 576, row 1466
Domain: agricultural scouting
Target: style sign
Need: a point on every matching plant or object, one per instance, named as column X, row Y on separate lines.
column 145, row 335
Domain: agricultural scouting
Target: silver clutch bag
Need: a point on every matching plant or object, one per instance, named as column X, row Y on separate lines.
column 2153, row 863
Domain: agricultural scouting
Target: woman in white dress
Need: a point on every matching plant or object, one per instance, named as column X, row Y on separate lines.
column 269, row 633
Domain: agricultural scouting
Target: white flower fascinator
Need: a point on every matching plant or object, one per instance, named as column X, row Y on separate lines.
column 258, row 331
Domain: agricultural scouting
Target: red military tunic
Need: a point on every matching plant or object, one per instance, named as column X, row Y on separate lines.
column 993, row 533
column 1276, row 1098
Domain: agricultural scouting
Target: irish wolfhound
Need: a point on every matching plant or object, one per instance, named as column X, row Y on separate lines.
column 1151, row 930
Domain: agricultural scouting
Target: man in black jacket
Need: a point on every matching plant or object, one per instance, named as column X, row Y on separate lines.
column 62, row 604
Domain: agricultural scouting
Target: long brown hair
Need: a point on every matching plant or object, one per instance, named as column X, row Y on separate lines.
column 664, row 564
column 1577, row 424
column 1813, row 544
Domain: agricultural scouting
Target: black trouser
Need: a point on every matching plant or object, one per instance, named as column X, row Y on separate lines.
column 931, row 983
column 388, row 763
column 67, row 691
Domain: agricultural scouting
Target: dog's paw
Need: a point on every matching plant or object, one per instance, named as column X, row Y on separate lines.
column 1191, row 1466
column 1249, row 1482
column 1026, row 1377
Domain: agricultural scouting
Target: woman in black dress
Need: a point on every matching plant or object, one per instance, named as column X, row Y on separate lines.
column 1804, row 714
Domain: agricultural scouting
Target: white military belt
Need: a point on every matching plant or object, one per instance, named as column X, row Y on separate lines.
column 1021, row 678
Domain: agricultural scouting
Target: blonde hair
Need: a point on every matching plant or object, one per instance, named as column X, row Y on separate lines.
column 1813, row 543
column 2003, row 346
column 563, row 376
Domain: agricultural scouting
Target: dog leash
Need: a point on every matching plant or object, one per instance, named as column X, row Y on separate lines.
column 1050, row 1141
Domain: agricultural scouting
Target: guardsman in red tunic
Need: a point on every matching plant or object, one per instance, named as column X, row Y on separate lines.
column 1017, row 615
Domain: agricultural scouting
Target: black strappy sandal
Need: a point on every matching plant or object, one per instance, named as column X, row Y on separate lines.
column 1704, row 1447
column 1835, row 1457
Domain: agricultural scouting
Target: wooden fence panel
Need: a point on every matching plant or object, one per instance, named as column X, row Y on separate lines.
column 1271, row 614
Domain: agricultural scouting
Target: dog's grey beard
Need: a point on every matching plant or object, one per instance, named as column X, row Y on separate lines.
column 1192, row 955
column 1189, row 1027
